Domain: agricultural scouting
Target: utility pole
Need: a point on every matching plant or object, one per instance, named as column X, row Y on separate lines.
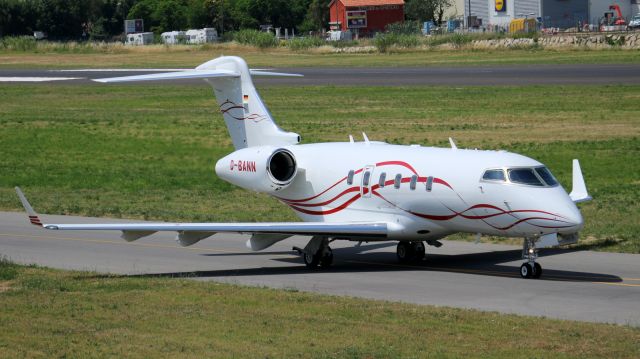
column 469, row 17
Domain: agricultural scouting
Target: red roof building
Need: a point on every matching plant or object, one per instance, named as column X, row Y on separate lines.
column 364, row 16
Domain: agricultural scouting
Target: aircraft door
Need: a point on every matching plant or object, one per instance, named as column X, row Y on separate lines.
column 367, row 179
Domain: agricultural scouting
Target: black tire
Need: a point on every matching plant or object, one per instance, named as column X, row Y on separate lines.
column 526, row 270
column 327, row 259
column 311, row 260
column 404, row 252
column 418, row 251
column 537, row 270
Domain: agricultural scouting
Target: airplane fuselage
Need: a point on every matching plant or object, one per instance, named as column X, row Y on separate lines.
column 423, row 192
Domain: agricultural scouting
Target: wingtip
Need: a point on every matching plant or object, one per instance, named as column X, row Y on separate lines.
column 579, row 192
column 33, row 216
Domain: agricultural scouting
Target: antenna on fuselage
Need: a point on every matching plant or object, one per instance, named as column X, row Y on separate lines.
column 351, row 139
column 453, row 144
column 366, row 139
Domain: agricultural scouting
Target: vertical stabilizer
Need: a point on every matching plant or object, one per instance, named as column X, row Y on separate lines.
column 246, row 116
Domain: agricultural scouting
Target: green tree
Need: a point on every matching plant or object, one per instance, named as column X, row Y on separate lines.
column 425, row 10
column 317, row 17
column 169, row 15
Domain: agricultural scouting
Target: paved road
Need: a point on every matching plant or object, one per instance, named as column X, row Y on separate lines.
column 400, row 76
column 577, row 285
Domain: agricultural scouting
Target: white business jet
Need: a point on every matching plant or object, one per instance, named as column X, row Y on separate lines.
column 367, row 191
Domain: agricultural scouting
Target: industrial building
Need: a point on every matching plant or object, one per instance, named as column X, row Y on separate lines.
column 488, row 14
column 364, row 17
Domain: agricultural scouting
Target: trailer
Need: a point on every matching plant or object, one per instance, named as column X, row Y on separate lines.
column 174, row 37
column 139, row 39
column 202, row 36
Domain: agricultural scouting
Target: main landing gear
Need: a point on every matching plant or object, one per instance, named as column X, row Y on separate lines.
column 317, row 252
column 410, row 251
column 531, row 268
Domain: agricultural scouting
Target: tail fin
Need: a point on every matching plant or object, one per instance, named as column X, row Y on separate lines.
column 246, row 116
column 248, row 119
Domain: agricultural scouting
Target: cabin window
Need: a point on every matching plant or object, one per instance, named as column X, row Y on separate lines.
column 383, row 178
column 524, row 176
column 494, row 175
column 396, row 182
column 429, row 183
column 350, row 177
column 546, row 176
column 414, row 180
column 365, row 179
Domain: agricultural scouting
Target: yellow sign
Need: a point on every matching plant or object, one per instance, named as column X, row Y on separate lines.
column 501, row 5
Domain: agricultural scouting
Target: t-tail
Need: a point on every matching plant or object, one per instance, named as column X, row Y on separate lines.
column 247, row 118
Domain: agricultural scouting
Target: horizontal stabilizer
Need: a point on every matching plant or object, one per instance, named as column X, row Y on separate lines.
column 270, row 73
column 179, row 75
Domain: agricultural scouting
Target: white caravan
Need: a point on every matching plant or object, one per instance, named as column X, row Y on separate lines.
column 367, row 191
column 174, row 37
column 139, row 39
column 202, row 36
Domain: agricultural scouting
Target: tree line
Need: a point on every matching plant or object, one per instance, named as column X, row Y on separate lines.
column 103, row 19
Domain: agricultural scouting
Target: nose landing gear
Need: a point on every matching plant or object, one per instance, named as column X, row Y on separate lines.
column 531, row 268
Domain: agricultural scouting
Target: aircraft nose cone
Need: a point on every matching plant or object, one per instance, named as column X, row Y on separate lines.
column 573, row 217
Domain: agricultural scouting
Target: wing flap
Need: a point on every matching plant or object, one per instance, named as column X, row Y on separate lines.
column 347, row 229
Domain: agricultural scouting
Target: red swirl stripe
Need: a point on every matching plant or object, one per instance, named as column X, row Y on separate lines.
column 225, row 111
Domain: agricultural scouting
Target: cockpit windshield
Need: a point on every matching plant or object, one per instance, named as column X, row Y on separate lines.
column 524, row 176
column 530, row 176
column 546, row 176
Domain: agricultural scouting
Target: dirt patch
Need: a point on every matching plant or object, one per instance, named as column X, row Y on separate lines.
column 5, row 286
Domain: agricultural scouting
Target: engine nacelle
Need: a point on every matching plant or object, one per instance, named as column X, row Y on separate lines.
column 262, row 169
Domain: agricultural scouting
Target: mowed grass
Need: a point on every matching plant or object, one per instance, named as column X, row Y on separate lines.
column 148, row 151
column 52, row 313
column 191, row 56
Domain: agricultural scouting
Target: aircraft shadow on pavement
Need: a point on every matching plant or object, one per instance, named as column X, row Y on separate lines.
column 353, row 260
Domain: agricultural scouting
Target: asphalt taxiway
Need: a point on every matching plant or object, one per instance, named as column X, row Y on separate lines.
column 576, row 285
column 381, row 76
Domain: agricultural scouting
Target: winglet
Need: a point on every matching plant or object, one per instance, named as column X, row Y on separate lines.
column 579, row 191
column 33, row 216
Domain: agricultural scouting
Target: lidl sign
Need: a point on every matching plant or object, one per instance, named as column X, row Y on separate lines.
column 501, row 5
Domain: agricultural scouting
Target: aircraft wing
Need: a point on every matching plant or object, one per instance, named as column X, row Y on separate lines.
column 190, row 233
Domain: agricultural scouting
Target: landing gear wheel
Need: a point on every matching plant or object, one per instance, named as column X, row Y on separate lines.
column 404, row 252
column 418, row 250
column 525, row 270
column 537, row 270
column 311, row 260
column 327, row 258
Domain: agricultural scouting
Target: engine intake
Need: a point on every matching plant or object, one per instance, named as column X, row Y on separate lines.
column 282, row 166
column 263, row 169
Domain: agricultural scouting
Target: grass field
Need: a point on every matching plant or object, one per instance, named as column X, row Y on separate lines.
column 190, row 56
column 50, row 313
column 148, row 151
